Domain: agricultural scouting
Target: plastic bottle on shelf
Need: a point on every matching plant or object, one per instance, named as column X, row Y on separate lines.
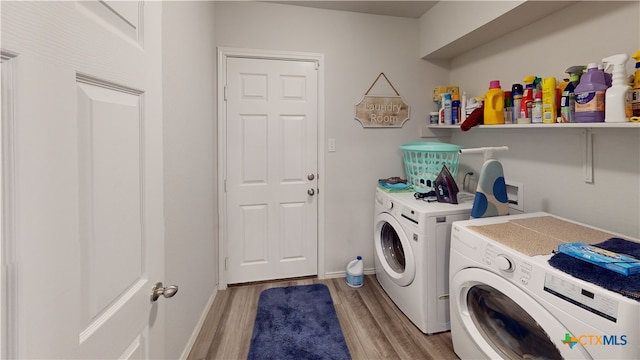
column 463, row 107
column 607, row 76
column 537, row 86
column 568, row 100
column 494, row 104
column 618, row 96
column 516, row 93
column 455, row 109
column 527, row 98
column 355, row 272
column 444, row 118
column 635, row 97
column 536, row 110
column 561, row 86
column 549, row 100
column 508, row 107
column 590, row 95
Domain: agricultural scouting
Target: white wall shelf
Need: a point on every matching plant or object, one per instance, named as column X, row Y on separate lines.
column 444, row 131
column 599, row 125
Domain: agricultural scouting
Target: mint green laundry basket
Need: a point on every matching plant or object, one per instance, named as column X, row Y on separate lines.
column 423, row 162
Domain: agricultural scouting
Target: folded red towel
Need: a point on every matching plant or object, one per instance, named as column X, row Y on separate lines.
column 475, row 118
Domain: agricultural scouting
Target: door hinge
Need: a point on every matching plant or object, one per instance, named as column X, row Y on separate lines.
column 317, row 65
column 226, row 263
column 225, row 92
column 225, row 185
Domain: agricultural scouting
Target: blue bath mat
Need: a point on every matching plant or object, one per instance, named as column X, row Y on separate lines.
column 297, row 322
column 626, row 285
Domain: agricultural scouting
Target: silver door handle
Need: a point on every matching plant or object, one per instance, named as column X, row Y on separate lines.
column 167, row 291
column 311, row 192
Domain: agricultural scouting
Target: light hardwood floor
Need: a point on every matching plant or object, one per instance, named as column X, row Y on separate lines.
column 374, row 328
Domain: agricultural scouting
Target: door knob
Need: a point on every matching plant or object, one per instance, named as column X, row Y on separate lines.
column 311, row 192
column 167, row 291
column 310, row 176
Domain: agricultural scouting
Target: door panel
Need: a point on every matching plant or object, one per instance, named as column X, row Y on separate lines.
column 110, row 199
column 86, row 181
column 272, row 108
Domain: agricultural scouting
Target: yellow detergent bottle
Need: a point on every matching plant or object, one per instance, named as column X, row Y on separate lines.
column 635, row 92
column 494, row 104
column 549, row 100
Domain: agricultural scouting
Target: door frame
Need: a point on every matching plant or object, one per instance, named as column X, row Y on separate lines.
column 223, row 54
column 8, row 280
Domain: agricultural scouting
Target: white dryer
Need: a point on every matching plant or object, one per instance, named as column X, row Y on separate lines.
column 412, row 254
column 511, row 304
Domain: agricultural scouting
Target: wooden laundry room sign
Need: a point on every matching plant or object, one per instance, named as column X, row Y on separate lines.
column 382, row 111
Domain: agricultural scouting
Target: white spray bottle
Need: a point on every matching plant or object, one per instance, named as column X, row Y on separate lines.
column 618, row 96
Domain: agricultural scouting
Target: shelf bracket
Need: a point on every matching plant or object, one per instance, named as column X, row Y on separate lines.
column 587, row 157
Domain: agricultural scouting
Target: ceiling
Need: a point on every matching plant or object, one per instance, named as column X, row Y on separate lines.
column 408, row 9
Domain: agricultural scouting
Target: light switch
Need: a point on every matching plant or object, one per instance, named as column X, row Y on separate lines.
column 332, row 145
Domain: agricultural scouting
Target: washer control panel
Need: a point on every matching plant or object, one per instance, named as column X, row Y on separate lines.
column 595, row 302
column 519, row 271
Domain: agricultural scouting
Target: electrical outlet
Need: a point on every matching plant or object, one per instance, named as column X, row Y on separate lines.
column 515, row 195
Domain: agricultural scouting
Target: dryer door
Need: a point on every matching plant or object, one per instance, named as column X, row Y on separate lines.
column 393, row 249
column 507, row 323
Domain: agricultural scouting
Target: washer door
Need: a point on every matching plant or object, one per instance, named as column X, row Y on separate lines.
column 393, row 248
column 505, row 322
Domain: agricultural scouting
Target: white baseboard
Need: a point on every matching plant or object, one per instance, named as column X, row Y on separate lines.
column 341, row 274
column 198, row 328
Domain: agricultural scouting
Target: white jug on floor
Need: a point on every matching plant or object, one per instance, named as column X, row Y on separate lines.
column 355, row 273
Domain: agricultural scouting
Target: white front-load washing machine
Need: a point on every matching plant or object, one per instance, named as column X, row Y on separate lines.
column 508, row 302
column 412, row 254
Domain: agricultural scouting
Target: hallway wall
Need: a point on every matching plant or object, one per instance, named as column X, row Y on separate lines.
column 190, row 180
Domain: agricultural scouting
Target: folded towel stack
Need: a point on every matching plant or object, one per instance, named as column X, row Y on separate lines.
column 626, row 285
column 394, row 184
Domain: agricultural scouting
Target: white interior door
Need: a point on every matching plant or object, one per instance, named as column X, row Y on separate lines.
column 271, row 169
column 83, row 177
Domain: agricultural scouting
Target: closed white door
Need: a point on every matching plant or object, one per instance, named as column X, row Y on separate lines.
column 271, row 169
column 82, row 160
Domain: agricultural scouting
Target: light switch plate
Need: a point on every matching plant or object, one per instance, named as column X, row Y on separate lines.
column 331, row 145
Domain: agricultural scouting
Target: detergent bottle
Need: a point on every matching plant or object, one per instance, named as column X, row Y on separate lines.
column 635, row 97
column 618, row 96
column 527, row 98
column 446, row 105
column 549, row 100
column 355, row 272
column 536, row 110
column 455, row 109
column 494, row 104
column 590, row 95
column 568, row 100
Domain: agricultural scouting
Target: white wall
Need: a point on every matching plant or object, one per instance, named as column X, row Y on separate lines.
column 549, row 162
column 357, row 47
column 190, row 178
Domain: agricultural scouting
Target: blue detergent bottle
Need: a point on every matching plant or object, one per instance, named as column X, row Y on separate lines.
column 590, row 95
